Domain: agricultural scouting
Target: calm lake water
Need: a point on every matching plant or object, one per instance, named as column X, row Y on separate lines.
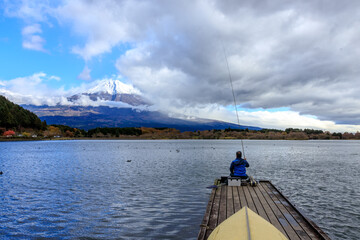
column 89, row 190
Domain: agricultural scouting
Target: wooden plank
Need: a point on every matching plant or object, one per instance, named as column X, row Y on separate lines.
column 294, row 224
column 222, row 209
column 205, row 222
column 229, row 202
column 257, row 203
column 237, row 205
column 310, row 227
column 282, row 219
column 249, row 200
column 271, row 216
column 311, row 234
column 243, row 202
column 214, row 213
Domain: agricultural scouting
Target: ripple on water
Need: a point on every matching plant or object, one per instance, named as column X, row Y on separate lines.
column 88, row 190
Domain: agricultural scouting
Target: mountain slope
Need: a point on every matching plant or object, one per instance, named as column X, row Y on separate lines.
column 91, row 117
column 15, row 116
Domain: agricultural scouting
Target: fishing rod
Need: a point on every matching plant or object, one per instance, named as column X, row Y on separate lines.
column 232, row 89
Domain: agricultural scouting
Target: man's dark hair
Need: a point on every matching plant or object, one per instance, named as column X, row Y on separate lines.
column 238, row 154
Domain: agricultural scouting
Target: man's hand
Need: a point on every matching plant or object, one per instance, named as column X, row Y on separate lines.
column 244, row 158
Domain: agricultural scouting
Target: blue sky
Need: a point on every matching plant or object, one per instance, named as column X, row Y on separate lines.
column 293, row 64
column 56, row 59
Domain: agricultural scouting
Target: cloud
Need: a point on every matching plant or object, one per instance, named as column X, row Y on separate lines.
column 31, row 30
column 85, row 100
column 31, row 39
column 104, row 24
column 56, row 78
column 299, row 55
column 32, row 90
column 291, row 119
column 28, row 10
column 302, row 56
column 33, row 13
column 85, row 74
column 263, row 118
column 37, row 100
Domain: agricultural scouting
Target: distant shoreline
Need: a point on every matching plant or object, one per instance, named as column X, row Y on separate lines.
column 139, row 138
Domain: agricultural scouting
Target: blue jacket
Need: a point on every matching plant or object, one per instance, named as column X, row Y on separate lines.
column 238, row 167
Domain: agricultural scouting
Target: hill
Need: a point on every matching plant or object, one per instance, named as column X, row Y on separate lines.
column 15, row 116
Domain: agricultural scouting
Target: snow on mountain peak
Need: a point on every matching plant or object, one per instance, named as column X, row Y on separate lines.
column 113, row 87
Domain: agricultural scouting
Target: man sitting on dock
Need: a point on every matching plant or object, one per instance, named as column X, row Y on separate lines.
column 238, row 167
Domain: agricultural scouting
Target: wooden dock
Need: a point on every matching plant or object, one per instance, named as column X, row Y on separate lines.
column 266, row 201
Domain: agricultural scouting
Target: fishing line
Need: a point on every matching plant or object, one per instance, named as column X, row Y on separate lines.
column 232, row 89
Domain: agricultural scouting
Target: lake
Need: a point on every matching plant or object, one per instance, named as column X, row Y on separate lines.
column 156, row 189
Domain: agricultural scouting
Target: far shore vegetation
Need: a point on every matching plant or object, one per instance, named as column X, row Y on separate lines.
column 17, row 123
column 65, row 132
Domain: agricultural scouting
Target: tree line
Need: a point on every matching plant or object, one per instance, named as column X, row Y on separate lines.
column 171, row 133
column 62, row 131
column 16, row 121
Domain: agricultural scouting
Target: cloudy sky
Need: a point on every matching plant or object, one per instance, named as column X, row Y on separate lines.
column 293, row 63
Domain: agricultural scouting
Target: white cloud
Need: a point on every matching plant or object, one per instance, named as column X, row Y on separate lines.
column 291, row 119
column 85, row 100
column 85, row 74
column 31, row 39
column 34, row 43
column 55, row 78
column 264, row 119
column 33, row 13
column 31, row 29
column 36, row 100
column 28, row 10
column 104, row 24
column 32, row 90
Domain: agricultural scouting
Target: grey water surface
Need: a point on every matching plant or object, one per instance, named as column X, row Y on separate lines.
column 90, row 189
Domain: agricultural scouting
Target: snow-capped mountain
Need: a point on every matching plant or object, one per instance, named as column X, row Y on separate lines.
column 107, row 103
column 112, row 90
column 113, row 87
